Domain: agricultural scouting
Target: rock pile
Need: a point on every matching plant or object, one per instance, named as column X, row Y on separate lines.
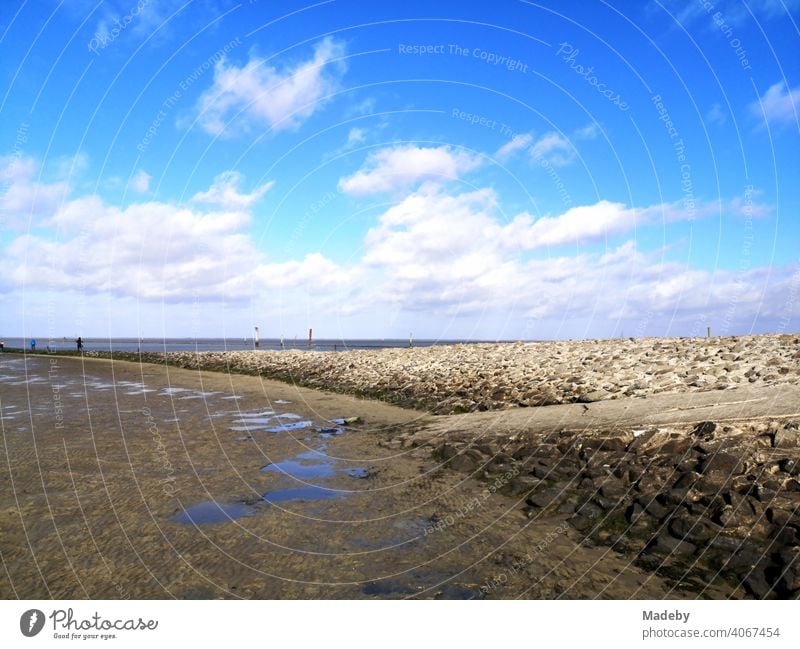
column 695, row 505
column 462, row 378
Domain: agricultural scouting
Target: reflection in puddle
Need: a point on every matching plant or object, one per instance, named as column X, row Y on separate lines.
column 211, row 512
column 198, row 395
column 239, row 429
column 171, row 391
column 299, row 470
column 454, row 591
column 385, row 587
column 295, row 426
column 327, row 433
column 301, row 493
column 312, row 455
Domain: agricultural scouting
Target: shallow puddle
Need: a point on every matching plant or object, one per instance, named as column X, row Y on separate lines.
column 312, row 455
column 386, row 587
column 294, row 426
column 211, row 512
column 327, row 433
column 246, row 429
column 171, row 391
column 300, row 470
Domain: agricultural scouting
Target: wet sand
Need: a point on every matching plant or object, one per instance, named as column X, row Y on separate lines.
column 102, row 461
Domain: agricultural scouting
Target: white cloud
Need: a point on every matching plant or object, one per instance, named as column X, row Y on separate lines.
column 589, row 132
column 553, row 148
column 315, row 273
column 259, row 94
column 516, row 143
column 224, row 192
column 25, row 198
column 69, row 166
column 579, row 224
column 156, row 250
column 364, row 107
column 140, row 182
column 450, row 255
column 356, row 136
column 433, row 255
column 716, row 115
column 733, row 13
column 401, row 167
column 779, row 104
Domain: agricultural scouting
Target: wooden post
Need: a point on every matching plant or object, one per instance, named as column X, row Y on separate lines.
column 310, row 337
column 258, row 342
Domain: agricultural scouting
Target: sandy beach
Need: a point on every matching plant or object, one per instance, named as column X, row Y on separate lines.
column 145, row 480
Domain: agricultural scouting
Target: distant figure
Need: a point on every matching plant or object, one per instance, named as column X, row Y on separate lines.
column 79, row 342
column 2, row 346
column 33, row 344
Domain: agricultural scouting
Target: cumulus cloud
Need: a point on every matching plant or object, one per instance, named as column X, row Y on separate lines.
column 579, row 224
column 224, row 192
column 156, row 250
column 451, row 255
column 434, row 253
column 259, row 94
column 778, row 104
column 400, row 167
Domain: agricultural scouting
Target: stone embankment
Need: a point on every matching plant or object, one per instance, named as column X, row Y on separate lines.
column 464, row 378
column 696, row 504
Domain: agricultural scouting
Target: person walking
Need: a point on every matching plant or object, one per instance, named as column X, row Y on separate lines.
column 79, row 342
column 33, row 344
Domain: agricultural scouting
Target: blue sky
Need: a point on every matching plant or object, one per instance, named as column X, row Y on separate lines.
column 520, row 170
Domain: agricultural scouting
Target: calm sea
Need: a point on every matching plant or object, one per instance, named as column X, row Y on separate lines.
column 217, row 344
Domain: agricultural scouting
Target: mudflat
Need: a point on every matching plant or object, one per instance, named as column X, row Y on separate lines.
column 146, row 480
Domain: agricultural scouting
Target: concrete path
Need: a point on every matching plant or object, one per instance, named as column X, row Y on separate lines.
column 660, row 409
